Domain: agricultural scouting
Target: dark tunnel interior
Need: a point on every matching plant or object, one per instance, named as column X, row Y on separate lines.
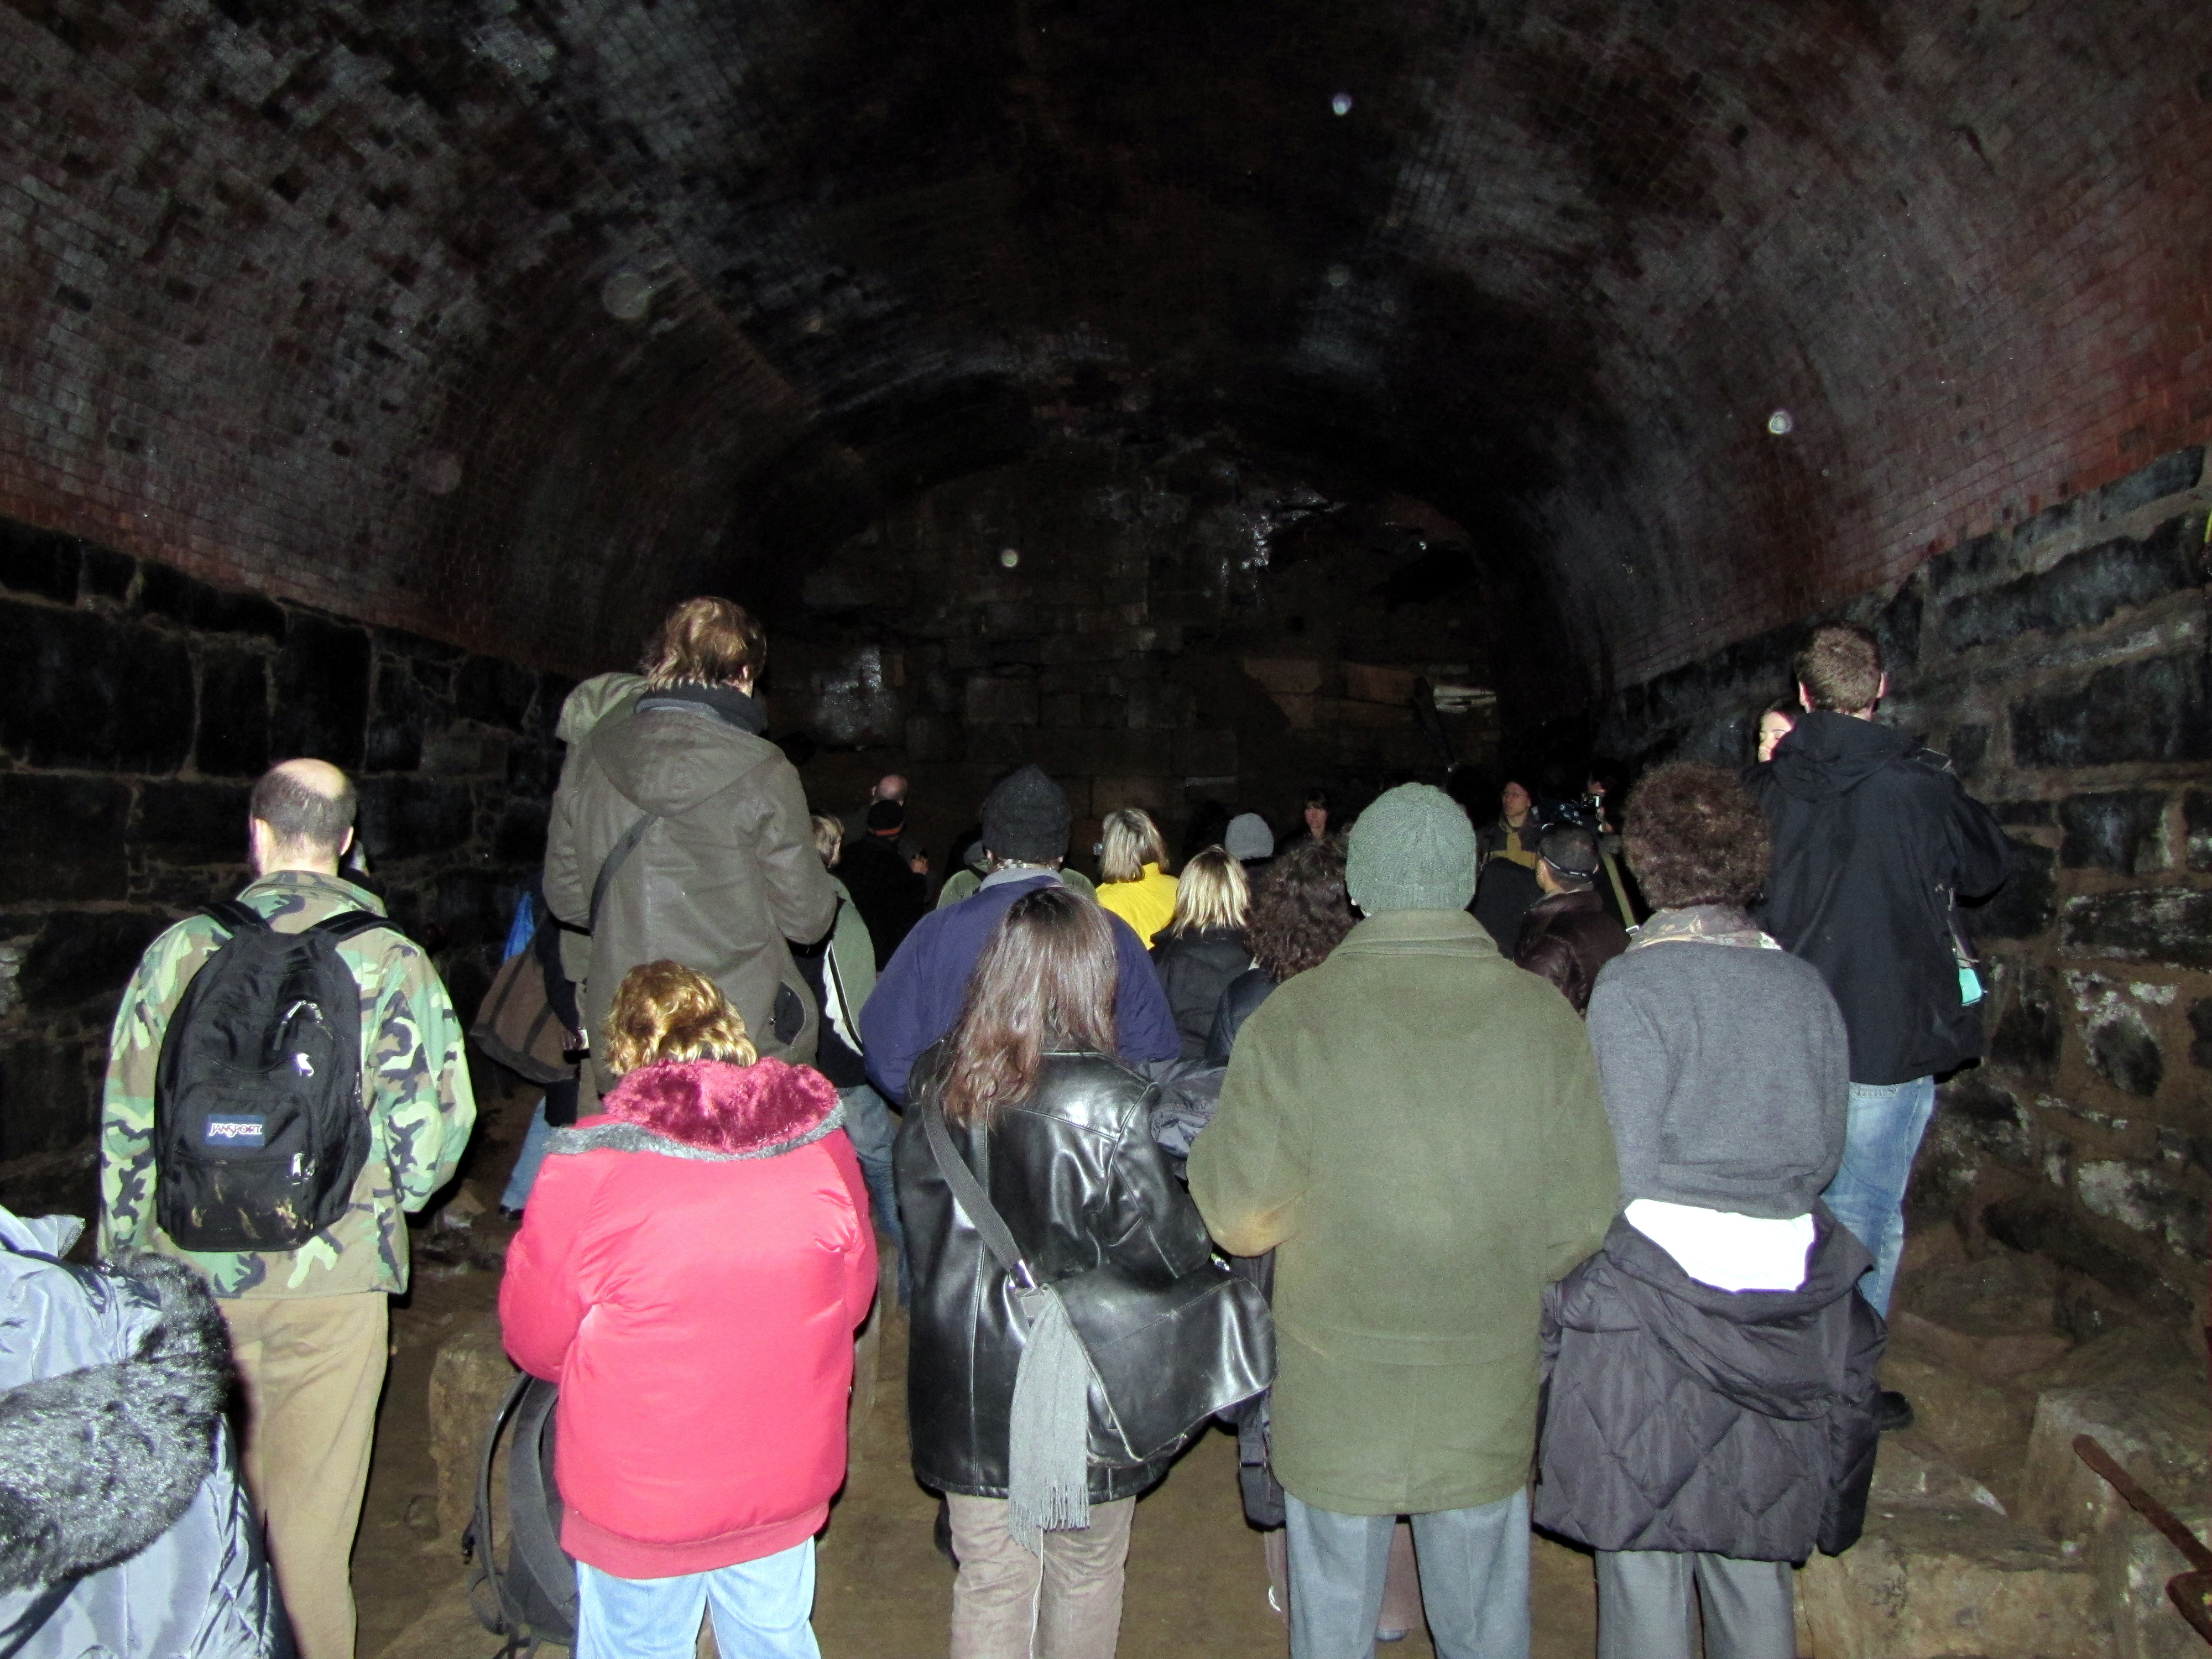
column 1205, row 401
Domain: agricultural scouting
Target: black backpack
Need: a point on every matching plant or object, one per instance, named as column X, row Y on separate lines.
column 259, row 1129
column 533, row 1592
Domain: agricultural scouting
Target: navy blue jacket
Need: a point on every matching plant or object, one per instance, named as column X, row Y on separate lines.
column 917, row 998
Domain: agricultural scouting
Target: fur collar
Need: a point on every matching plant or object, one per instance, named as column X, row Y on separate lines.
column 712, row 1107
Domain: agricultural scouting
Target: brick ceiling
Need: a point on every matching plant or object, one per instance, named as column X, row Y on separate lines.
column 504, row 321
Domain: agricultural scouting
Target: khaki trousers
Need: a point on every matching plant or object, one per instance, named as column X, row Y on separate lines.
column 1009, row 1604
column 313, row 1367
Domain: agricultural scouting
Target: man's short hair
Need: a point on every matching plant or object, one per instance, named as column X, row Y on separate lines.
column 1571, row 851
column 1696, row 837
column 705, row 642
column 1841, row 668
column 299, row 815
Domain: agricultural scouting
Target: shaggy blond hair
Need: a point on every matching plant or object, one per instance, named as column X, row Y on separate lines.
column 665, row 1011
column 829, row 839
column 1129, row 842
column 705, row 642
column 1212, row 892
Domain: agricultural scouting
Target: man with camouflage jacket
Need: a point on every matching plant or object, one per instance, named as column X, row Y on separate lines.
column 307, row 1326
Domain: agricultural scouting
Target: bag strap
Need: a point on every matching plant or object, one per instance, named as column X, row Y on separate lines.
column 533, row 1537
column 346, row 924
column 235, row 916
column 967, row 1193
column 617, row 858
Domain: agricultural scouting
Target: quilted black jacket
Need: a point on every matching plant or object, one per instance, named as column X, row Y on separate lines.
column 1679, row 1417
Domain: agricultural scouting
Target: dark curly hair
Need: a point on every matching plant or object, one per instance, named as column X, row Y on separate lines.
column 1696, row 837
column 1300, row 910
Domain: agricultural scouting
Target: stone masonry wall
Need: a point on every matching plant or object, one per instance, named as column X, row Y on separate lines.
column 1157, row 630
column 2062, row 663
column 137, row 706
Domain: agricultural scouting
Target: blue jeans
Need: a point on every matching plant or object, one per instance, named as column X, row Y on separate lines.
column 1868, row 1194
column 872, row 1129
column 526, row 1162
column 1475, row 1579
column 760, row 1609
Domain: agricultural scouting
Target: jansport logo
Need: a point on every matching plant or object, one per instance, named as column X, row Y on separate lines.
column 236, row 1131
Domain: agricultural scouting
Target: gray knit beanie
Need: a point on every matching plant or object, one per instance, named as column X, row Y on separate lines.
column 1025, row 817
column 1413, row 849
column 1248, row 837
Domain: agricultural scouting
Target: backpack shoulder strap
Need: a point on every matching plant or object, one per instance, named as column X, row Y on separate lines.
column 235, row 915
column 348, row 923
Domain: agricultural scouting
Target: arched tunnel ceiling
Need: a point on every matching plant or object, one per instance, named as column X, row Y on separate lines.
column 505, row 321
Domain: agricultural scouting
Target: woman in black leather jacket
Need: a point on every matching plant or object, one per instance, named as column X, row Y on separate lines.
column 1058, row 1132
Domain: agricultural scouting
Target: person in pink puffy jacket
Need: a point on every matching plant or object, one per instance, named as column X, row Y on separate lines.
column 690, row 1272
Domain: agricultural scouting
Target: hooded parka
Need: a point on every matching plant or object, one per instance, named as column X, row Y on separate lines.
column 726, row 872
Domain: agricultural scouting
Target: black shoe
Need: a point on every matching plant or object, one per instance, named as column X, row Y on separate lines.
column 943, row 1532
column 509, row 1213
column 1893, row 1412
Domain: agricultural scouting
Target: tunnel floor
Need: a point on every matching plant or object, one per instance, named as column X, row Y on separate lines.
column 1197, row 1581
column 1979, row 1520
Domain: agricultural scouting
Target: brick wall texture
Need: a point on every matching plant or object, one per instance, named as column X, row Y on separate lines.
column 504, row 324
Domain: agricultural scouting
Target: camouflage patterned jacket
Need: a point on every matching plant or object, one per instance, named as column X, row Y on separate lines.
column 420, row 1104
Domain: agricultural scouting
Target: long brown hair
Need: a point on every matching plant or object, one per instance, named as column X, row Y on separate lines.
column 1045, row 981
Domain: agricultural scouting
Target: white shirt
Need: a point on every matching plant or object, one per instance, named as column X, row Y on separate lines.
column 1727, row 1251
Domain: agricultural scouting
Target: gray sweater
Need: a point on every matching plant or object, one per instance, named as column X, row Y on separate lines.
column 1726, row 1074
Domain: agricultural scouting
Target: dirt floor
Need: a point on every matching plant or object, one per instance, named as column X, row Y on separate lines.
column 1197, row 1583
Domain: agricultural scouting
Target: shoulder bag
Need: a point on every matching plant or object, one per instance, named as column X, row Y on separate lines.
column 1163, row 1357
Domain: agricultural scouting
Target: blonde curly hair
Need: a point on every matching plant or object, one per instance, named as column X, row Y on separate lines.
column 665, row 1011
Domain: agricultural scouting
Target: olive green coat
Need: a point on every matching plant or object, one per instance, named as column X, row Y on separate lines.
column 1415, row 1128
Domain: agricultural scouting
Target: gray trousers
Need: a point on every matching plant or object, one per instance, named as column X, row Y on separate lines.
column 1475, row 1579
column 1063, row 1604
column 1647, row 1607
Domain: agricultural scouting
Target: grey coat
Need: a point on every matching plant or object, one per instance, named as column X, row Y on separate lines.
column 724, row 876
column 1679, row 1416
column 123, row 1532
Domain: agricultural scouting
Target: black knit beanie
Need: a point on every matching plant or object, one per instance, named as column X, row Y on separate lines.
column 1025, row 817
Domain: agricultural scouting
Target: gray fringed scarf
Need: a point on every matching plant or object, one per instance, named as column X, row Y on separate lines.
column 1048, row 1451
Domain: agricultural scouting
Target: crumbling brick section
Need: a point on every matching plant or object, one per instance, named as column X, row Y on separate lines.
column 137, row 706
column 2063, row 665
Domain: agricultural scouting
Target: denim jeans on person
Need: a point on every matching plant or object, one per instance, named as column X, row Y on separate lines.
column 873, row 1128
column 1868, row 1194
column 524, row 1174
column 1473, row 1569
column 761, row 1610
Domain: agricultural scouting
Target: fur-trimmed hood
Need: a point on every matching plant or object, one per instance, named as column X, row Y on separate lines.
column 97, row 1461
column 712, row 1109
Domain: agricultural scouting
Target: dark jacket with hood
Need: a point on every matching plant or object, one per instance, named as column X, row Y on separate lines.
column 1566, row 937
column 726, row 872
column 1873, row 840
column 1679, row 1416
column 1073, row 1172
column 1195, row 969
column 123, row 1532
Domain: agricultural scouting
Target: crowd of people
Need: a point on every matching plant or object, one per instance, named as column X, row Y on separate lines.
column 1423, row 1151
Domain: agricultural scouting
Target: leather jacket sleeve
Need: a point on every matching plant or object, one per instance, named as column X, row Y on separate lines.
column 1148, row 1223
column 1550, row 956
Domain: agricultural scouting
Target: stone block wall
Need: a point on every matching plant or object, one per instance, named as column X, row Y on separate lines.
column 1155, row 630
column 2062, row 663
column 137, row 706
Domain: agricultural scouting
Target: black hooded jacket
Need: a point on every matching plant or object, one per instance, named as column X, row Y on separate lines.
column 1681, row 1417
column 1873, row 840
